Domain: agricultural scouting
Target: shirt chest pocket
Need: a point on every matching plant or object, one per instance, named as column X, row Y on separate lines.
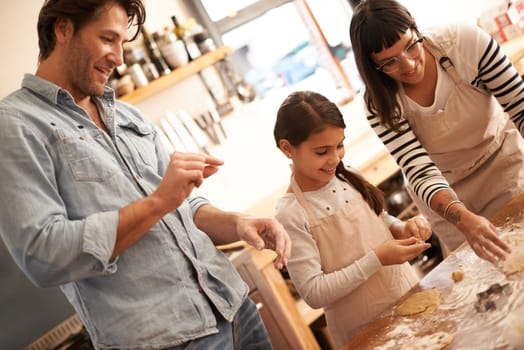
column 85, row 155
column 138, row 139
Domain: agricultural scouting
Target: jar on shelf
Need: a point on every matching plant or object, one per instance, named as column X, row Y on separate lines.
column 138, row 75
column 125, row 85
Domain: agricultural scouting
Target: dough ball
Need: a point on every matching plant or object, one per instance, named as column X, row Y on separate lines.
column 457, row 276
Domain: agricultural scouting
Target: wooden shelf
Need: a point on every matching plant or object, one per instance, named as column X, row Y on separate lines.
column 177, row 75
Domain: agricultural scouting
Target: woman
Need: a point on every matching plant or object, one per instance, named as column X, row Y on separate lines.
column 438, row 100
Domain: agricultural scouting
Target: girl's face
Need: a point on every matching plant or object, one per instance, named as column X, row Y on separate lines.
column 404, row 61
column 315, row 160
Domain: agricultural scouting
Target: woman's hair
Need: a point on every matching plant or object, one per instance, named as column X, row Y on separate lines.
column 377, row 25
column 304, row 113
column 80, row 12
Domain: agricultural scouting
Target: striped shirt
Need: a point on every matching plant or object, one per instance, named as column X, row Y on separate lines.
column 479, row 60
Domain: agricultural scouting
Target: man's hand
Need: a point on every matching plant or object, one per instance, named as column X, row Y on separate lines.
column 266, row 233
column 184, row 172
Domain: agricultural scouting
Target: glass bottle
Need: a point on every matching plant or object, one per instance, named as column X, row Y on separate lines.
column 182, row 34
column 204, row 42
column 154, row 53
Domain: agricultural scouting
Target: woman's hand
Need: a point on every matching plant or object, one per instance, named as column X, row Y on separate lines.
column 399, row 251
column 482, row 236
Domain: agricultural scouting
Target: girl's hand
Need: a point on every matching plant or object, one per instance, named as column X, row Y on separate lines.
column 399, row 251
column 416, row 226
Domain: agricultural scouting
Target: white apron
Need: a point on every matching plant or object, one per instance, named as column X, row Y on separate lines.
column 356, row 223
column 475, row 145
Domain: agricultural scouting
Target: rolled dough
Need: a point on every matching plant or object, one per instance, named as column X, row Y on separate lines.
column 425, row 302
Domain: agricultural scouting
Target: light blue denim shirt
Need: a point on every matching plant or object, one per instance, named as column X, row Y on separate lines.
column 63, row 182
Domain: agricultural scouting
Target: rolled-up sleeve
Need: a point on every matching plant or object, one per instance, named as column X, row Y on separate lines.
column 196, row 202
column 100, row 238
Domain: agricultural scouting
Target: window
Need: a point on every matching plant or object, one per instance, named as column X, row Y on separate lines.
column 218, row 10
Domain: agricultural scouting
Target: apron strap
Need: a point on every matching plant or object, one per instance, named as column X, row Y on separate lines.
column 443, row 60
column 303, row 201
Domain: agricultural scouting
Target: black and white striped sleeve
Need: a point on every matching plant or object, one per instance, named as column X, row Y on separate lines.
column 421, row 173
column 497, row 75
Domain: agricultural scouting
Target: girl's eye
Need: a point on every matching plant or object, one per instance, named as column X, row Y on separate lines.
column 321, row 153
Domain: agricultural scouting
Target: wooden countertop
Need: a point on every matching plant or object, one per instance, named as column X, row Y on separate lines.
column 456, row 315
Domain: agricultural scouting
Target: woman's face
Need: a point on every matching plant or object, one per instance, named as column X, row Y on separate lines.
column 405, row 60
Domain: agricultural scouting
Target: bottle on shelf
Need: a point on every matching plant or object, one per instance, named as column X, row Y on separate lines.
column 183, row 34
column 204, row 42
column 154, row 53
column 137, row 55
column 173, row 49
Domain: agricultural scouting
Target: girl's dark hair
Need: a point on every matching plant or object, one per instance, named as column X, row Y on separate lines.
column 80, row 12
column 304, row 113
column 376, row 25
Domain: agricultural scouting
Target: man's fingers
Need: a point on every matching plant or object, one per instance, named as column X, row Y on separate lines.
column 209, row 170
column 214, row 161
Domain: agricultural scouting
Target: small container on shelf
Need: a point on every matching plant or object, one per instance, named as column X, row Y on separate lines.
column 138, row 75
column 125, row 85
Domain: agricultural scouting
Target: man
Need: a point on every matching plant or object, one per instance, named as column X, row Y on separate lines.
column 97, row 206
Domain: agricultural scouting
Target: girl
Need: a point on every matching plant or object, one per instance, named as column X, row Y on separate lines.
column 437, row 101
column 344, row 257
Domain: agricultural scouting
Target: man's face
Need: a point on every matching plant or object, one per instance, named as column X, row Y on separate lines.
column 94, row 51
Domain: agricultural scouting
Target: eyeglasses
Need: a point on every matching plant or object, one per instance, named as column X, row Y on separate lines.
column 393, row 64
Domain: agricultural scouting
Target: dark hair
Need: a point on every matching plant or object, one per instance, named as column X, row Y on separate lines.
column 304, row 113
column 376, row 25
column 80, row 12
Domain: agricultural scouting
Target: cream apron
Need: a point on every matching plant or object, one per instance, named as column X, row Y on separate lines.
column 476, row 147
column 358, row 224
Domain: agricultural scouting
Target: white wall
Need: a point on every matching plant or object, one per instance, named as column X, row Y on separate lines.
column 431, row 13
column 20, row 41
